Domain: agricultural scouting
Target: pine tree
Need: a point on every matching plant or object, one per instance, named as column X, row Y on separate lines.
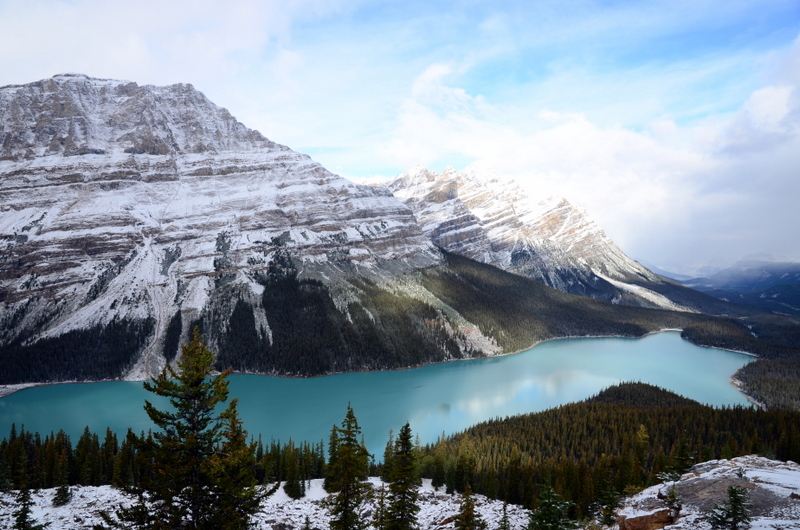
column 674, row 503
column 608, row 501
column 403, row 493
column 439, row 463
column 388, row 453
column 734, row 514
column 63, row 494
column 468, row 518
column 22, row 515
column 505, row 524
column 293, row 486
column 551, row 512
column 346, row 474
column 379, row 517
column 202, row 471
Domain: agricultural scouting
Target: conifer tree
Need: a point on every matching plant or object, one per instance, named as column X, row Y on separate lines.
column 505, row 524
column 22, row 515
column 379, row 518
column 468, row 518
column 403, row 493
column 388, row 454
column 734, row 514
column 439, row 464
column 202, row 473
column 346, row 473
column 551, row 512
column 608, row 501
column 293, row 486
column 63, row 494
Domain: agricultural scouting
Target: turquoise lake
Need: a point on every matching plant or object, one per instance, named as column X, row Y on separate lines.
column 438, row 398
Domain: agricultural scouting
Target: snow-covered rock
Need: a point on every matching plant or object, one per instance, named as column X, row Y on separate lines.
column 773, row 488
column 492, row 219
column 278, row 512
column 121, row 202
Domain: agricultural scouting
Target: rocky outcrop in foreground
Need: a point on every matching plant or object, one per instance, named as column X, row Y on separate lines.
column 773, row 488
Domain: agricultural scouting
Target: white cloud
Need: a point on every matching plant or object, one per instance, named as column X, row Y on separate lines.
column 666, row 120
column 677, row 196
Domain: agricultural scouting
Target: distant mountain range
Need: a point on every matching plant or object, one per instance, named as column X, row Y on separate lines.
column 130, row 214
column 767, row 284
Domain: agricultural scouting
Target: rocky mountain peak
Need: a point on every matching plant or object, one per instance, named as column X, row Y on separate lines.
column 490, row 218
column 73, row 114
column 123, row 203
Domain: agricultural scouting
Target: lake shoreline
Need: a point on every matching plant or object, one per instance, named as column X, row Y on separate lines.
column 434, row 398
column 9, row 389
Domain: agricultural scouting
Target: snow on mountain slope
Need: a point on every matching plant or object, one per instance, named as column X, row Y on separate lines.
column 122, row 203
column 493, row 220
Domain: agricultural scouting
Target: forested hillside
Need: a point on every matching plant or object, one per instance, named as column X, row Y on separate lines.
column 593, row 451
column 590, row 452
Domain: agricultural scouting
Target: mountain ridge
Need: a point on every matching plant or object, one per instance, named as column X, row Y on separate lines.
column 131, row 214
column 493, row 220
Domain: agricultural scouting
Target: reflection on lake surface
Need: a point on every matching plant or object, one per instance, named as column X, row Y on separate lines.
column 444, row 397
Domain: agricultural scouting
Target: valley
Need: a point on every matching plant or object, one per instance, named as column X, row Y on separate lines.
column 133, row 214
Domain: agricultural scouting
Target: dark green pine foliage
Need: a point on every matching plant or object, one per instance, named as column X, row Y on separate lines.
column 125, row 470
column 101, row 352
column 22, row 515
column 388, row 454
column 608, row 500
column 294, row 487
column 88, row 459
column 505, row 524
column 379, row 517
column 63, row 494
column 234, row 466
column 734, row 514
column 347, row 472
column 403, row 492
column 202, row 471
column 551, row 512
column 468, row 518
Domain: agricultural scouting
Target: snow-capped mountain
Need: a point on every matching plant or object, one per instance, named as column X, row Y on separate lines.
column 124, row 204
column 493, row 220
column 130, row 215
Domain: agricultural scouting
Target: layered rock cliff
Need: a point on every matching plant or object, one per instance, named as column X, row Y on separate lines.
column 129, row 215
column 493, row 220
column 146, row 207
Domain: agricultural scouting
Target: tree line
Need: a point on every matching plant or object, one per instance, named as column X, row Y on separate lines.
column 198, row 465
column 618, row 442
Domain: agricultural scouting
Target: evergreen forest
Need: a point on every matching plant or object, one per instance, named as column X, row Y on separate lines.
column 380, row 327
column 588, row 453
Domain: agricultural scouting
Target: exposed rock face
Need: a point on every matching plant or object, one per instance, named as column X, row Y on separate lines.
column 770, row 485
column 651, row 521
column 122, row 203
column 494, row 221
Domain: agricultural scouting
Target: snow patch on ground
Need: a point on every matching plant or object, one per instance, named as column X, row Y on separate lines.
column 279, row 512
column 773, row 488
column 652, row 296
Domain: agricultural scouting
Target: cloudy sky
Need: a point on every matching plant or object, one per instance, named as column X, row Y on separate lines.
column 675, row 123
